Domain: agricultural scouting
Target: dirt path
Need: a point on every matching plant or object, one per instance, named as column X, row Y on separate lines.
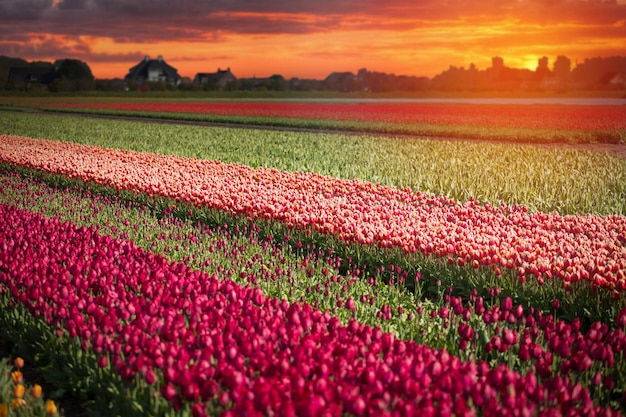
column 618, row 150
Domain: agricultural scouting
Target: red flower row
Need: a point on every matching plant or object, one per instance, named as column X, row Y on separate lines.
column 510, row 116
column 570, row 248
column 218, row 343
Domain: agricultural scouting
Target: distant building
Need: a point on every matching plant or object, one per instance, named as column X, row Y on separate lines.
column 613, row 79
column 550, row 82
column 23, row 77
column 341, row 81
column 153, row 70
column 220, row 80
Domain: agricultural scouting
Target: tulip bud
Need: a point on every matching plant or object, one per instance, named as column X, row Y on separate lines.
column 17, row 377
column 597, row 379
column 358, row 407
column 17, row 403
column 169, row 392
column 150, row 377
column 621, row 318
column 103, row 361
column 224, row 398
column 19, row 362
column 51, row 408
column 510, row 336
column 36, row 391
column 197, row 410
column 18, row 391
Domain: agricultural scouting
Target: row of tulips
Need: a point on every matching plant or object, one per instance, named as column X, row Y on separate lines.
column 484, row 329
column 515, row 116
column 541, row 245
column 530, row 130
column 208, row 344
column 544, row 179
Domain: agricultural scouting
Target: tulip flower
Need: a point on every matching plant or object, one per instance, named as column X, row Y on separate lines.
column 17, row 377
column 51, row 408
column 17, row 403
column 36, row 391
column 19, row 362
column 18, row 391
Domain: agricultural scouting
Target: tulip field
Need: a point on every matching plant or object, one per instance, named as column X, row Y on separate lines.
column 509, row 123
column 151, row 269
column 541, row 179
column 560, row 117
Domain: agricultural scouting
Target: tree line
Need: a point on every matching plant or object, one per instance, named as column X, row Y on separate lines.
column 598, row 73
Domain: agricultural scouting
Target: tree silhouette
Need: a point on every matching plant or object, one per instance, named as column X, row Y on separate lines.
column 562, row 67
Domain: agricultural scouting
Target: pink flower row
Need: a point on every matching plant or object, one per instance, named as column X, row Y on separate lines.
column 214, row 342
column 549, row 344
column 507, row 116
column 570, row 248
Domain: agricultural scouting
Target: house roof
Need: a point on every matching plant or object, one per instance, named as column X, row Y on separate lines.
column 613, row 77
column 215, row 77
column 141, row 70
column 340, row 76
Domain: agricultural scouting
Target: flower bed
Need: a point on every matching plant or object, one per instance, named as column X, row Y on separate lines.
column 209, row 344
column 545, row 246
column 509, row 116
column 543, row 179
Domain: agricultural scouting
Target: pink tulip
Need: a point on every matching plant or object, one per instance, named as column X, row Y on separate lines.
column 517, row 116
column 202, row 326
column 394, row 217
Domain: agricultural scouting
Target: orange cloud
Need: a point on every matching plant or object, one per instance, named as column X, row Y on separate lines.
column 310, row 39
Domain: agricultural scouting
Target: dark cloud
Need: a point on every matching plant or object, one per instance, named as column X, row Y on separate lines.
column 72, row 4
column 116, row 58
column 192, row 20
column 21, row 10
column 541, row 22
column 44, row 49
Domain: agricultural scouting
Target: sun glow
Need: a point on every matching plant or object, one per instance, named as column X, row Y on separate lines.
column 308, row 43
column 529, row 63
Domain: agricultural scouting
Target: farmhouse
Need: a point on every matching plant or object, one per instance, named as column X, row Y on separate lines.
column 613, row 79
column 220, row 80
column 153, row 70
column 341, row 81
column 22, row 77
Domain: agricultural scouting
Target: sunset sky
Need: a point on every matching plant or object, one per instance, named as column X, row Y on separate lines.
column 310, row 39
